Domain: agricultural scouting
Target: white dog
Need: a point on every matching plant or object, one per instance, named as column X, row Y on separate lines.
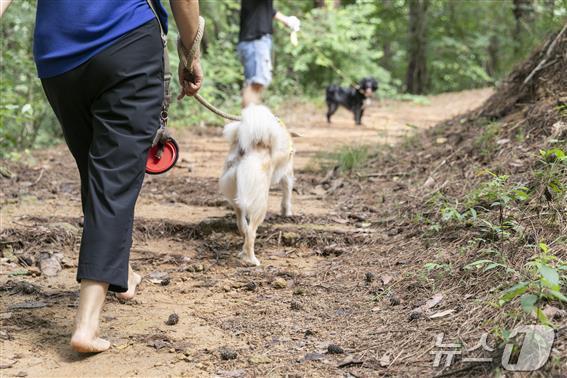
column 261, row 155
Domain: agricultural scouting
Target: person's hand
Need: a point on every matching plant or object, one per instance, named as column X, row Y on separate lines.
column 293, row 23
column 190, row 82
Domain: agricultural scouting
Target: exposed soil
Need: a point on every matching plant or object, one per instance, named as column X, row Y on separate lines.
column 337, row 293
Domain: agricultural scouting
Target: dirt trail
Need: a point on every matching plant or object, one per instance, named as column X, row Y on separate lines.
column 189, row 235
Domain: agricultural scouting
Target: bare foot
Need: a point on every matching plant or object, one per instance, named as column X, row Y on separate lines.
column 86, row 341
column 134, row 280
column 91, row 300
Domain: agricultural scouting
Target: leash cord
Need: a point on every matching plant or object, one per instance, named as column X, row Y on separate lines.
column 187, row 57
column 216, row 110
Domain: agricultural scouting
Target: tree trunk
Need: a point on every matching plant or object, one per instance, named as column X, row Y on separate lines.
column 416, row 81
column 388, row 54
column 493, row 63
column 524, row 15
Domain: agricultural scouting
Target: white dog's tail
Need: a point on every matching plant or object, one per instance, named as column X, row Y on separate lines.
column 258, row 127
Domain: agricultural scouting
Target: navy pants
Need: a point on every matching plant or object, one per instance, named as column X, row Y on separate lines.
column 109, row 110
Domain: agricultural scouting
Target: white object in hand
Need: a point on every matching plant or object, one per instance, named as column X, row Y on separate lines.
column 293, row 23
column 293, row 38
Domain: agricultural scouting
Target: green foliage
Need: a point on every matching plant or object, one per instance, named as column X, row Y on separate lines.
column 545, row 276
column 551, row 178
column 347, row 158
column 497, row 192
column 25, row 116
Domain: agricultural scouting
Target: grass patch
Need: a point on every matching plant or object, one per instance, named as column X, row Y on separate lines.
column 348, row 158
column 486, row 142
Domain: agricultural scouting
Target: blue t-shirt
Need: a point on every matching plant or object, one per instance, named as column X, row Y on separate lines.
column 70, row 32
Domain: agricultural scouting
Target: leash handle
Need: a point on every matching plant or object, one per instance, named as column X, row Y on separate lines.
column 186, row 57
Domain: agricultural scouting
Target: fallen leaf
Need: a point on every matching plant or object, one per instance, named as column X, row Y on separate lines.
column 441, row 314
column 349, row 361
column 386, row 278
column 385, row 360
column 433, row 301
column 313, row 357
column 429, row 182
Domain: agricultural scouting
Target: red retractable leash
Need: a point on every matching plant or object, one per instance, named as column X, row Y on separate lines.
column 156, row 164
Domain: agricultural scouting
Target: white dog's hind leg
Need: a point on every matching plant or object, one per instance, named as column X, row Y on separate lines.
column 240, row 221
column 247, row 255
column 287, row 189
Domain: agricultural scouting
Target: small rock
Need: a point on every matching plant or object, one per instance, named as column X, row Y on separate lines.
column 394, row 300
column 335, row 349
column 295, row 306
column 369, row 277
column 415, row 314
column 553, row 313
column 333, row 250
column 227, row 353
column 161, row 278
column 290, row 238
column 34, row 271
column 22, row 374
column 172, row 350
column 279, row 283
column 230, row 373
column 173, row 319
column 259, row 359
column 49, row 264
column 309, row 333
column 251, row 286
column 299, row 291
column 226, row 288
column 198, row 267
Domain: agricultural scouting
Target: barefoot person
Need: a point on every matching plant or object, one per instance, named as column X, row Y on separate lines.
column 101, row 66
column 255, row 45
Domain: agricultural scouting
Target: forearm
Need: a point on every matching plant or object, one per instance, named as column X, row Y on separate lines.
column 279, row 16
column 186, row 15
column 4, row 4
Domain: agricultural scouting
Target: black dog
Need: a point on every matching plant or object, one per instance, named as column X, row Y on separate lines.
column 351, row 98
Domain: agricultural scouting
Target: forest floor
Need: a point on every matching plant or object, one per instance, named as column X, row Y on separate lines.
column 319, row 284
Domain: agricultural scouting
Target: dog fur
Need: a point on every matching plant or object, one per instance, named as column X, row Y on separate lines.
column 261, row 155
column 350, row 98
